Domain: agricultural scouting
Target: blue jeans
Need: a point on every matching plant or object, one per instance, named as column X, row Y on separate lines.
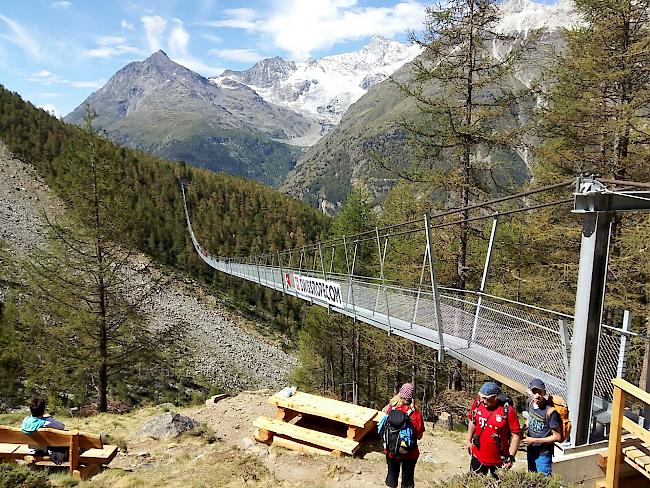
column 539, row 461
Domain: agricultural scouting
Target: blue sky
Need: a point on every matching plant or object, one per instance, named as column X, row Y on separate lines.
column 55, row 53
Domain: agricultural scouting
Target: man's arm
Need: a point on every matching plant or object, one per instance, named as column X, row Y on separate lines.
column 471, row 428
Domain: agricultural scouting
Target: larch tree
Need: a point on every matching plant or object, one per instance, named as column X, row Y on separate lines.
column 465, row 91
column 595, row 119
column 88, row 286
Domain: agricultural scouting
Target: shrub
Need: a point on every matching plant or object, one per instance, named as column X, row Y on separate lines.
column 507, row 479
column 12, row 476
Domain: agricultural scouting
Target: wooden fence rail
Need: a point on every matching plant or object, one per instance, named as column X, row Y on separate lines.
column 640, row 460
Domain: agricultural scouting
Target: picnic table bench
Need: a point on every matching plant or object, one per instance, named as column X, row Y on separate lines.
column 358, row 421
column 15, row 444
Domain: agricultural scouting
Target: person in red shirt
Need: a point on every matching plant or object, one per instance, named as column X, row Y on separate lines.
column 492, row 435
column 404, row 401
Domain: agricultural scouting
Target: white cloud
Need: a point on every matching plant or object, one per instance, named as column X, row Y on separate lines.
column 46, row 78
column 126, row 25
column 22, row 38
column 61, row 4
column 51, row 109
column 97, row 84
column 301, row 27
column 106, row 52
column 178, row 39
column 154, row 26
column 110, row 46
column 237, row 18
column 240, row 55
column 211, row 38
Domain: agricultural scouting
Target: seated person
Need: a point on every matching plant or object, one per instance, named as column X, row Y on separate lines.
column 38, row 420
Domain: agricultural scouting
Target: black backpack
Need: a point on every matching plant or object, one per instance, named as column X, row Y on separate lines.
column 397, row 432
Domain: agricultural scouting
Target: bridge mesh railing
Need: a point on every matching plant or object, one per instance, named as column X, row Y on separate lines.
column 510, row 338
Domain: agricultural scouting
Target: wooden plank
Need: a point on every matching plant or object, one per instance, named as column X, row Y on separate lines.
column 358, row 433
column 344, row 412
column 6, row 449
column 643, row 461
column 636, row 430
column 74, row 453
column 263, row 435
column 47, row 437
column 322, row 439
column 98, row 456
column 633, row 453
column 300, row 446
column 285, row 414
column 633, row 390
column 637, row 467
column 614, row 454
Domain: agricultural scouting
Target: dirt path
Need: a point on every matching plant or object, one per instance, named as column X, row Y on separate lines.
column 231, row 420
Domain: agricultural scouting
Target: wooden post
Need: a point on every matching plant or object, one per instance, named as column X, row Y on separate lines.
column 74, row 454
column 614, row 453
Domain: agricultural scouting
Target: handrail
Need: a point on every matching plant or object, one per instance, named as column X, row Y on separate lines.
column 620, row 422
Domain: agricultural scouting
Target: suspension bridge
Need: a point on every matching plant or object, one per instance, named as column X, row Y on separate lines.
column 510, row 341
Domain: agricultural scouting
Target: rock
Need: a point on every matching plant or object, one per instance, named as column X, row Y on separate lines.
column 446, row 421
column 166, row 407
column 247, row 442
column 166, row 426
column 216, row 398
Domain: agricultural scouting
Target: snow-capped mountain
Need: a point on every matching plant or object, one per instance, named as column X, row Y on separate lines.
column 519, row 17
column 323, row 88
column 329, row 169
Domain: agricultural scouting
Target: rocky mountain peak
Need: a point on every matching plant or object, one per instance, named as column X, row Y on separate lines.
column 523, row 16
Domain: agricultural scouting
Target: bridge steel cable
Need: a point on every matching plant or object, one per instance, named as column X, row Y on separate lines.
column 499, row 337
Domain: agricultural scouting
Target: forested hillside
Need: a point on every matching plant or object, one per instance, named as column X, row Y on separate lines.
column 142, row 211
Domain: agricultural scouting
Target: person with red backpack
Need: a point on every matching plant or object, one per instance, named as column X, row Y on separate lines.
column 493, row 432
column 401, row 428
column 544, row 429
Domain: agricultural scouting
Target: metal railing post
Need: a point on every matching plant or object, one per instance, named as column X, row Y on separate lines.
column 566, row 345
column 622, row 351
column 382, row 257
column 434, row 288
column 347, row 266
column 322, row 263
column 281, row 273
column 486, row 270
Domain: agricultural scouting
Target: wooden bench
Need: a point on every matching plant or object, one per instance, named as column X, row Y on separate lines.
column 314, row 438
column 15, row 444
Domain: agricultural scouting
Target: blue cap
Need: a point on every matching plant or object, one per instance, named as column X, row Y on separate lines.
column 489, row 389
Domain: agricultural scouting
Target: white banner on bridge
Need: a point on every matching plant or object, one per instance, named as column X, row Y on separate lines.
column 328, row 291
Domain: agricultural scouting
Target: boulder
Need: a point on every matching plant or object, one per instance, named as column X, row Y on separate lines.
column 167, row 425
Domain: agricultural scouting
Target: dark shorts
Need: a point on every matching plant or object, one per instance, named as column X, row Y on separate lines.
column 476, row 466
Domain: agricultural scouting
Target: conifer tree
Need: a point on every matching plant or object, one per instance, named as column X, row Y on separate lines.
column 596, row 116
column 464, row 94
column 88, row 285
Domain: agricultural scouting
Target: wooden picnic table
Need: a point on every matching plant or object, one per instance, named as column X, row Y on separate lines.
column 359, row 420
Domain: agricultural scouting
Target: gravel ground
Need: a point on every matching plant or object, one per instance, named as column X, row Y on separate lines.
column 222, row 350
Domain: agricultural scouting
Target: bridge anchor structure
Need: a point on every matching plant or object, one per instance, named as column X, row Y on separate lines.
column 512, row 342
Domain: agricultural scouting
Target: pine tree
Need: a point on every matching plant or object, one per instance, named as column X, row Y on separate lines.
column 596, row 116
column 464, row 95
column 88, row 286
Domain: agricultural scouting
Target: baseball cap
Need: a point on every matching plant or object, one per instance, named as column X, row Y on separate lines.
column 489, row 389
column 536, row 383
